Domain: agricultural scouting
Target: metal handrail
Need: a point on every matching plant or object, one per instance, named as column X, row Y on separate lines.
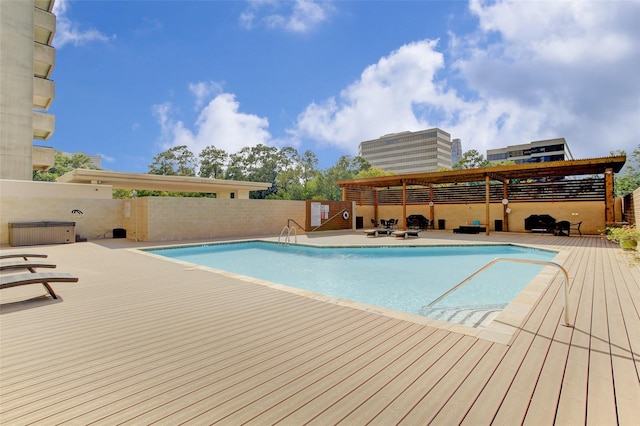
column 291, row 220
column 287, row 239
column 506, row 259
column 328, row 220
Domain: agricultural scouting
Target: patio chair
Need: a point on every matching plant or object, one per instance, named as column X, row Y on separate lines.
column 7, row 281
column 576, row 227
column 374, row 223
column 26, row 264
column 25, row 256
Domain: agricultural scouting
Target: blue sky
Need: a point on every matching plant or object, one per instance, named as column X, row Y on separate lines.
column 134, row 78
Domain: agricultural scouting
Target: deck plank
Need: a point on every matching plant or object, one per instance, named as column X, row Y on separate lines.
column 140, row 339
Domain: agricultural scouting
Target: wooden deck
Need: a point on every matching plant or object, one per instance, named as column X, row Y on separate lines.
column 141, row 340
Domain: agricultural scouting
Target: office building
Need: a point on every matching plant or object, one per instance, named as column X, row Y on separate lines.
column 27, row 59
column 456, row 151
column 533, row 152
column 409, row 152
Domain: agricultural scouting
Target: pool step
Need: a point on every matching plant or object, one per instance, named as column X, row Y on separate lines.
column 472, row 316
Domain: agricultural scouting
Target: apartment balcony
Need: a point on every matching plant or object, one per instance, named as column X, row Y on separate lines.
column 44, row 59
column 44, row 26
column 44, row 4
column 43, row 93
column 43, row 125
column 42, row 158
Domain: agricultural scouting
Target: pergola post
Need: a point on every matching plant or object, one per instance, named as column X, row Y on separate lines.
column 487, row 181
column 505, row 215
column 404, row 205
column 609, row 198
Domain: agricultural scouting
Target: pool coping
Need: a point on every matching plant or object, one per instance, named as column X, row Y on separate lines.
column 500, row 329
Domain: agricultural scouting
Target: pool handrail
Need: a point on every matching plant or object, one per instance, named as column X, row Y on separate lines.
column 328, row 220
column 508, row 259
column 287, row 239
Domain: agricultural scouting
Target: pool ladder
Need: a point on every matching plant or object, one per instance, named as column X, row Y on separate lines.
column 286, row 233
column 565, row 280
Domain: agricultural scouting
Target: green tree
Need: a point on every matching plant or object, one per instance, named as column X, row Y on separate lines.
column 174, row 161
column 471, row 159
column 212, row 162
column 63, row 164
column 629, row 179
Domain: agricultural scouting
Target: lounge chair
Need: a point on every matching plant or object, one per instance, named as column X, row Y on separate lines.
column 7, row 281
column 406, row 233
column 371, row 232
column 25, row 256
column 26, row 264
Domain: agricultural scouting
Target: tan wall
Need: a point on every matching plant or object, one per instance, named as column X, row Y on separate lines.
column 636, row 206
column 591, row 213
column 148, row 218
column 171, row 218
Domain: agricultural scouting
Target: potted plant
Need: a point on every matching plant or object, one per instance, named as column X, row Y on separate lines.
column 627, row 236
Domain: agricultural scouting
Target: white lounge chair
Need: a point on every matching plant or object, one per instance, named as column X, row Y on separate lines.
column 7, row 281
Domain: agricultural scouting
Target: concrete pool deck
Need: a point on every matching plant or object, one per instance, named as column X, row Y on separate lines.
column 140, row 339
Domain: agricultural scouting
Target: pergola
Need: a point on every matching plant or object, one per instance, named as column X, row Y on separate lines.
column 506, row 174
column 152, row 182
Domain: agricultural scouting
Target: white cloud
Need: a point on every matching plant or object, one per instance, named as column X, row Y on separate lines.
column 296, row 16
column 68, row 31
column 531, row 71
column 220, row 123
column 204, row 90
column 398, row 93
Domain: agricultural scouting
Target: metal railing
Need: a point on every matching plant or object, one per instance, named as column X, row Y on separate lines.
column 288, row 230
column 506, row 259
column 329, row 220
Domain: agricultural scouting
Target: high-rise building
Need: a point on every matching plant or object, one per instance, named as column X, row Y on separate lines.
column 533, row 152
column 456, row 151
column 27, row 59
column 409, row 152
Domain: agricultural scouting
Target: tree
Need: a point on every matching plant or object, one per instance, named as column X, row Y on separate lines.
column 175, row 161
column 471, row 159
column 63, row 164
column 629, row 178
column 212, row 162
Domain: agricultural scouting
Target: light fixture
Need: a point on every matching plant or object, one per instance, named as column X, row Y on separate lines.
column 431, row 204
column 505, row 201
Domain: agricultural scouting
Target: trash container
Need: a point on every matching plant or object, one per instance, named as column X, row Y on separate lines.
column 441, row 224
column 498, row 225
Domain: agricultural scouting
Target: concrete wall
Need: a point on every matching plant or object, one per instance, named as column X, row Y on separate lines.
column 169, row 218
column 145, row 219
column 16, row 89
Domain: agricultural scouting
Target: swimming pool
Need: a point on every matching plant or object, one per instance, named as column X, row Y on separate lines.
column 400, row 278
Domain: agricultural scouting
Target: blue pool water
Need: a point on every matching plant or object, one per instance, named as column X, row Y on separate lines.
column 404, row 279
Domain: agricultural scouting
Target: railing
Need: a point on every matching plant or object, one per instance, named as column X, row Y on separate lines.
column 329, row 220
column 289, row 229
column 505, row 259
column 287, row 237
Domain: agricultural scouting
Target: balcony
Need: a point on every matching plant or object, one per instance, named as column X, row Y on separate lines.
column 43, row 125
column 44, row 26
column 44, row 5
column 43, row 158
column 43, row 93
column 44, row 59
